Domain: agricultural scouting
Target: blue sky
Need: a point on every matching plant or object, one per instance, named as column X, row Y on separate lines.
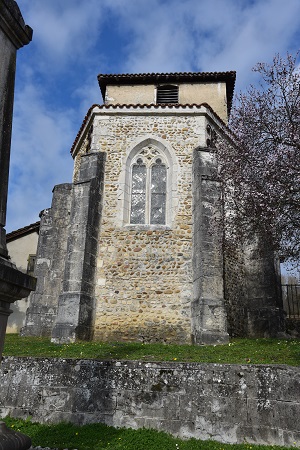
column 74, row 40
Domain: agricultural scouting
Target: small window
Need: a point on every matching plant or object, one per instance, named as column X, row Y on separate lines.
column 167, row 94
column 30, row 264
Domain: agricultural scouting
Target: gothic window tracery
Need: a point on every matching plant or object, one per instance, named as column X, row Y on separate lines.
column 148, row 187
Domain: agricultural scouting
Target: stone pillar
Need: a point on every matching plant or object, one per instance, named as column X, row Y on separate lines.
column 76, row 304
column 14, row 284
column 209, row 322
column 14, row 34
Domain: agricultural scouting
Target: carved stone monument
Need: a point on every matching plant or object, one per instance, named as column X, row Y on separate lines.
column 14, row 34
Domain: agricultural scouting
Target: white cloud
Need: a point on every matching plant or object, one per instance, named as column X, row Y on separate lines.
column 160, row 40
column 64, row 31
column 88, row 94
column 40, row 157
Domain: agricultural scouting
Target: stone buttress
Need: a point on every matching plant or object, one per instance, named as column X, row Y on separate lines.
column 64, row 303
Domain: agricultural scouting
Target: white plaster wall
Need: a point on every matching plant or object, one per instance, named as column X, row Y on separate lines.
column 19, row 250
column 214, row 94
column 130, row 94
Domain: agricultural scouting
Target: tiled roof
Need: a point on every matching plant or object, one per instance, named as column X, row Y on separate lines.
column 153, row 78
column 135, row 106
column 23, row 231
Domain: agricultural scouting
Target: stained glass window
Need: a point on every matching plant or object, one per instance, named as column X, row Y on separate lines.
column 148, row 189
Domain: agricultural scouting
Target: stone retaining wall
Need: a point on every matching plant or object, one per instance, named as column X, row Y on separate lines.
column 228, row 403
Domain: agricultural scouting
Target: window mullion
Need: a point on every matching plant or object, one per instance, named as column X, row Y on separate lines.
column 148, row 194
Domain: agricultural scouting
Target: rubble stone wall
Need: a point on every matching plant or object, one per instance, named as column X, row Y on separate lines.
column 144, row 273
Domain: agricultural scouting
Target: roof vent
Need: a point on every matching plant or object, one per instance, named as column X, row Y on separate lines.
column 167, row 94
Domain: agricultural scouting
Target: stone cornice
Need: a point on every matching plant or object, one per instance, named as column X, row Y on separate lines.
column 13, row 25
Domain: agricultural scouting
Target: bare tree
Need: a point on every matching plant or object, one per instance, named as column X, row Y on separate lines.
column 261, row 169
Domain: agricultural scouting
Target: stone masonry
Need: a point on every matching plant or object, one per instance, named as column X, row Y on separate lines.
column 228, row 403
column 144, row 275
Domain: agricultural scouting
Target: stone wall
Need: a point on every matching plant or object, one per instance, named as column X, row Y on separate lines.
column 253, row 291
column 144, row 273
column 64, row 304
column 235, row 290
column 76, row 302
column 119, row 281
column 104, row 278
column 227, row 403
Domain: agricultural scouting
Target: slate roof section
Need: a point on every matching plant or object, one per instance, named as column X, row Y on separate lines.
column 176, row 77
column 23, row 231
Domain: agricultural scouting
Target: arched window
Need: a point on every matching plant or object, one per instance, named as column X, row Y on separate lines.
column 148, row 187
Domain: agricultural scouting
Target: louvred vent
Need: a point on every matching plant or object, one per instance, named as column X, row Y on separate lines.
column 167, row 94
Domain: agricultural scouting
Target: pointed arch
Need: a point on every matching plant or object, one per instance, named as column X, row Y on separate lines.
column 149, row 194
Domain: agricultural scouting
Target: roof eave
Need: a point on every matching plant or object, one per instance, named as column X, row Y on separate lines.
column 33, row 227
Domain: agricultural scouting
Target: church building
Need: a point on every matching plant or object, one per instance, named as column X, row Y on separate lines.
column 127, row 251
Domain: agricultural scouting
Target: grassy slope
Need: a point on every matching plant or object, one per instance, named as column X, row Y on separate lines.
column 238, row 351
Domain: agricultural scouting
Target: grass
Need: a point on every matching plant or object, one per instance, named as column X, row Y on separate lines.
column 99, row 436
column 238, row 351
